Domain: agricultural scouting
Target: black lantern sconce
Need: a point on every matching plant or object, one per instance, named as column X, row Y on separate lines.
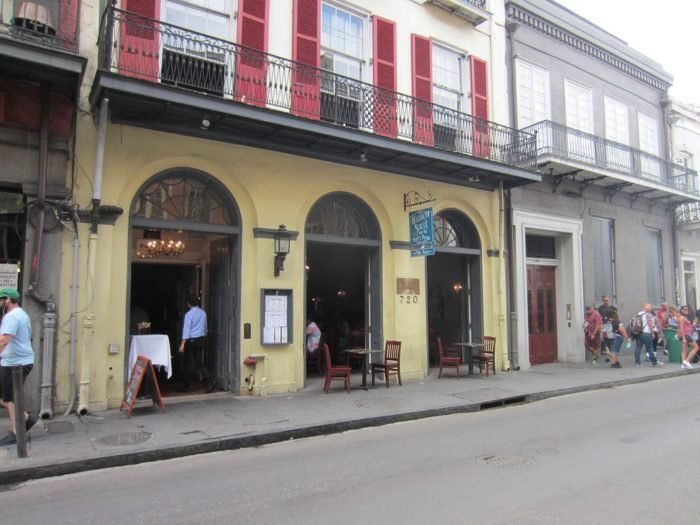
column 283, row 240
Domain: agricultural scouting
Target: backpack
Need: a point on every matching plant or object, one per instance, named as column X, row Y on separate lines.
column 636, row 326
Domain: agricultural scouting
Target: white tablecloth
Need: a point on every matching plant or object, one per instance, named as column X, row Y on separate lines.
column 155, row 347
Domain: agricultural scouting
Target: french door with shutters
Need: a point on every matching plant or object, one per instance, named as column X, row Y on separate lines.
column 579, row 117
column 541, row 314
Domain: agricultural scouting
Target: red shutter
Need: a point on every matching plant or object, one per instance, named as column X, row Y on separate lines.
column 139, row 42
column 384, row 52
column 306, row 50
column 67, row 24
column 480, row 107
column 251, row 65
column 421, row 59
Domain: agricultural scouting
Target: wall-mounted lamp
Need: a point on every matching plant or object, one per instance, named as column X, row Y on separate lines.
column 363, row 155
column 206, row 122
column 283, row 240
column 457, row 287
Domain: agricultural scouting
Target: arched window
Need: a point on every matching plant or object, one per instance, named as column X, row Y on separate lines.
column 185, row 198
column 452, row 229
column 343, row 216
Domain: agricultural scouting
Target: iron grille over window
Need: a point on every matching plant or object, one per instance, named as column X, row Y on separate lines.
column 453, row 230
column 343, row 216
column 182, row 199
column 540, row 247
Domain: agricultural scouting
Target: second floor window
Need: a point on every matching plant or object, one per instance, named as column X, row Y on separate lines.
column 210, row 17
column 342, row 42
column 447, row 78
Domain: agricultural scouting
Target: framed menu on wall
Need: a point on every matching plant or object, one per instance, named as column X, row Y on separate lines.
column 276, row 317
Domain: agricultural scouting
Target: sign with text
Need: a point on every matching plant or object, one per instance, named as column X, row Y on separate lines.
column 8, row 275
column 421, row 229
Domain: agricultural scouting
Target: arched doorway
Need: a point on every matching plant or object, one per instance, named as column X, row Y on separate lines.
column 455, row 311
column 185, row 231
column 343, row 272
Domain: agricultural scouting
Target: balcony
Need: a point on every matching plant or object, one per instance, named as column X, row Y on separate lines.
column 39, row 40
column 688, row 213
column 472, row 10
column 592, row 159
column 168, row 78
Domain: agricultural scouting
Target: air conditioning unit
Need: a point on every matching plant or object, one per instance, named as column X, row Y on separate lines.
column 35, row 17
column 340, row 110
column 193, row 72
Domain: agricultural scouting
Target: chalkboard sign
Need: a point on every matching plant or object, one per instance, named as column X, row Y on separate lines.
column 143, row 368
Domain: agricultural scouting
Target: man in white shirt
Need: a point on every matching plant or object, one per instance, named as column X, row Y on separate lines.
column 194, row 333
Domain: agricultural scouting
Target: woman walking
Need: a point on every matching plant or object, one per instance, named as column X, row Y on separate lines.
column 685, row 334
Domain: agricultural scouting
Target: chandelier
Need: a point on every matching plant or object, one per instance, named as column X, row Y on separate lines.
column 160, row 248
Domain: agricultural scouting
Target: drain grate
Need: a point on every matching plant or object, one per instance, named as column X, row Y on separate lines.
column 124, row 438
column 507, row 461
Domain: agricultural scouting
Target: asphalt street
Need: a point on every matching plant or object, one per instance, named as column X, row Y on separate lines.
column 618, row 456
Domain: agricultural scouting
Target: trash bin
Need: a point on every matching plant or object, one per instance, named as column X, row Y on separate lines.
column 673, row 346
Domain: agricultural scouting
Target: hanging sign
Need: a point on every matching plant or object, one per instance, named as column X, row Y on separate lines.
column 421, row 232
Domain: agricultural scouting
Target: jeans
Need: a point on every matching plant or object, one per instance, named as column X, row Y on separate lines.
column 617, row 343
column 644, row 339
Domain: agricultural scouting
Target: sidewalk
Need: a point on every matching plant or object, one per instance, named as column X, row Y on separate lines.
column 213, row 422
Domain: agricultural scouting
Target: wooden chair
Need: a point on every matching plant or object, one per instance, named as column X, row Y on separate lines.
column 356, row 339
column 487, row 355
column 445, row 360
column 335, row 371
column 315, row 358
column 391, row 364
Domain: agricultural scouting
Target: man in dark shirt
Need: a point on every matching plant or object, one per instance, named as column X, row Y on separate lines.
column 607, row 312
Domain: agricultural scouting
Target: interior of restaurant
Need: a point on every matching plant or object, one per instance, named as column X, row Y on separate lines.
column 163, row 275
column 336, row 295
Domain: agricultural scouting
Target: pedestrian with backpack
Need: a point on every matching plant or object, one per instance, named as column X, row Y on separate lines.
column 644, row 321
column 686, row 335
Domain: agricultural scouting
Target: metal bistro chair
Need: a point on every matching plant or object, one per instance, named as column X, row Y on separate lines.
column 446, row 360
column 335, row 371
column 487, row 356
column 391, row 364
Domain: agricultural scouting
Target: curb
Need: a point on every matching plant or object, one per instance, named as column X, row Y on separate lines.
column 19, row 475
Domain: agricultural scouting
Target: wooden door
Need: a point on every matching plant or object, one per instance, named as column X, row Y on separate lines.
column 541, row 318
column 222, row 314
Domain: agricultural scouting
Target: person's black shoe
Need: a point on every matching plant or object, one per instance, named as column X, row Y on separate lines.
column 211, row 385
column 9, row 439
column 29, row 422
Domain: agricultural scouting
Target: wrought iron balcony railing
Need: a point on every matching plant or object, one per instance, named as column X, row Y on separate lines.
column 688, row 213
column 151, row 50
column 568, row 144
column 46, row 23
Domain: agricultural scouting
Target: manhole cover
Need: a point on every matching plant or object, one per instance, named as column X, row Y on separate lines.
column 124, row 438
column 60, row 427
column 380, row 402
column 507, row 461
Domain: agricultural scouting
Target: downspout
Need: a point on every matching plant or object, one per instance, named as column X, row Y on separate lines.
column 675, row 242
column 40, row 205
column 511, row 28
column 92, row 251
column 501, row 293
column 49, row 316
column 510, row 292
column 73, row 327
